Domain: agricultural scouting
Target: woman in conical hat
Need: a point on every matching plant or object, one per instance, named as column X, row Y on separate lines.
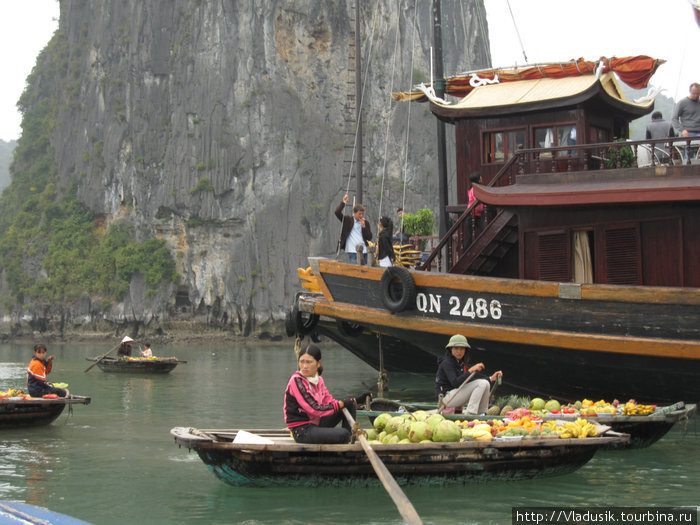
column 125, row 347
column 460, row 384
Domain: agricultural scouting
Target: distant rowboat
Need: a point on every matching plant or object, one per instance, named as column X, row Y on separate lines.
column 137, row 365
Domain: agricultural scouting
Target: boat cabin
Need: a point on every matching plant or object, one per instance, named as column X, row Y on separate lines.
column 564, row 199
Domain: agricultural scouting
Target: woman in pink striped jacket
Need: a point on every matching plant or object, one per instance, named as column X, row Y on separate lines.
column 310, row 411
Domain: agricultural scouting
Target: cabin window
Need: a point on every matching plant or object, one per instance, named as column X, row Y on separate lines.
column 500, row 146
column 622, row 255
column 582, row 256
column 554, row 136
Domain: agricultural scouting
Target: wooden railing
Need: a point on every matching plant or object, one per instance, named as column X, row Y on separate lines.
column 583, row 157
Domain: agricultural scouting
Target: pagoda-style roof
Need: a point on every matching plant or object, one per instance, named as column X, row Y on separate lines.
column 524, row 96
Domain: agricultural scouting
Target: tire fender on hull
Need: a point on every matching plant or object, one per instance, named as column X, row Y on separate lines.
column 398, row 290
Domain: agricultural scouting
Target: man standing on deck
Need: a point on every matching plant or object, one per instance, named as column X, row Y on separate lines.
column 354, row 231
column 686, row 115
column 659, row 128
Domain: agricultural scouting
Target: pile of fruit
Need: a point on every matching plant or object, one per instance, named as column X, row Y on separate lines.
column 514, row 407
column 150, row 358
column 12, row 392
column 421, row 427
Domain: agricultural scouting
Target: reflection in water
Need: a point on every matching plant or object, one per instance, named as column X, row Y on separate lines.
column 114, row 461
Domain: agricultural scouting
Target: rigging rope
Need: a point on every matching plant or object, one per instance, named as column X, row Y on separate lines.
column 408, row 117
column 516, row 30
column 358, row 111
column 388, row 120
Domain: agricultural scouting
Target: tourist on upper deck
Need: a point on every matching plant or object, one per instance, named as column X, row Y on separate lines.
column 385, row 246
column 310, row 411
column 400, row 237
column 686, row 115
column 453, row 382
column 355, row 231
column 659, row 128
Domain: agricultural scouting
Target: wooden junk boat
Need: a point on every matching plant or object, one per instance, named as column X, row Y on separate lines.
column 272, row 458
column 643, row 430
column 137, row 365
column 33, row 411
column 585, row 265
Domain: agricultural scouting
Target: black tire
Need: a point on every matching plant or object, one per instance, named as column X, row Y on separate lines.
column 303, row 322
column 398, row 289
column 349, row 329
column 289, row 324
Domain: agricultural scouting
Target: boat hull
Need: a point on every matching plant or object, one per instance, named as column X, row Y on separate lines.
column 560, row 339
column 35, row 411
column 136, row 366
column 292, row 464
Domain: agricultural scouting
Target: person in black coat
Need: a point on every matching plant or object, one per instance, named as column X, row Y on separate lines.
column 456, row 384
column 385, row 245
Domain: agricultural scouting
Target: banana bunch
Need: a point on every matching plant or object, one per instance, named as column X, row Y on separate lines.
column 632, row 408
column 481, row 432
column 577, row 429
column 12, row 392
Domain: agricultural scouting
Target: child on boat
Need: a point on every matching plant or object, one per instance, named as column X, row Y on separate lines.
column 39, row 367
column 146, row 352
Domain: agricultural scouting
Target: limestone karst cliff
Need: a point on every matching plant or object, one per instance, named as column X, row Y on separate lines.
column 221, row 127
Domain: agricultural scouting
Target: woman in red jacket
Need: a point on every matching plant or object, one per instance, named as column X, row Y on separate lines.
column 310, row 411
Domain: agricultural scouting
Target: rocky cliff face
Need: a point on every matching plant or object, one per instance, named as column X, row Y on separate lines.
column 221, row 127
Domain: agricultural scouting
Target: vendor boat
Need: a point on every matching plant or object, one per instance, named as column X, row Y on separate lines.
column 24, row 411
column 267, row 458
column 581, row 277
column 643, row 430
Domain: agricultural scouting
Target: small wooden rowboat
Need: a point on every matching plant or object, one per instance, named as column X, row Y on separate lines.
column 272, row 458
column 33, row 411
column 137, row 365
column 644, row 430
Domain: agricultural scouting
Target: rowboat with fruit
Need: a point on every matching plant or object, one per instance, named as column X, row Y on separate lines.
column 137, row 365
column 265, row 458
column 645, row 424
column 20, row 410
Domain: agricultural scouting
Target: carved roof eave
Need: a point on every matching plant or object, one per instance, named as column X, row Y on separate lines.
column 627, row 191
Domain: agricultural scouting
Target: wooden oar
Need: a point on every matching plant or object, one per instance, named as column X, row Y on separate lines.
column 441, row 402
column 408, row 513
column 101, row 358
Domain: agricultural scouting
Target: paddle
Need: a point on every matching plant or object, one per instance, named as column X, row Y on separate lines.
column 408, row 513
column 441, row 402
column 101, row 358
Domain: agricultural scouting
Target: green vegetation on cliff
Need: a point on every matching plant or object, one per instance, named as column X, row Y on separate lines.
column 51, row 250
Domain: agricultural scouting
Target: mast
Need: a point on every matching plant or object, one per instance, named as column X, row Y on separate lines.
column 440, row 92
column 358, row 102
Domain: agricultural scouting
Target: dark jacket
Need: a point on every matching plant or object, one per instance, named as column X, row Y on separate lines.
column 452, row 373
column 348, row 222
column 385, row 245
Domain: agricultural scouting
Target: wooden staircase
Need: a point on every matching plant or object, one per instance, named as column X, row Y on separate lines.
column 490, row 246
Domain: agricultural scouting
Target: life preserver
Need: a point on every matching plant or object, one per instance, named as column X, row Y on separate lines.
column 398, row 289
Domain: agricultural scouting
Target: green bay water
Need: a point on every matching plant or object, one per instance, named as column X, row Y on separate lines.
column 114, row 461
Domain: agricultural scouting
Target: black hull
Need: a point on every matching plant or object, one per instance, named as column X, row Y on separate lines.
column 534, row 370
column 563, row 340
column 34, row 412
